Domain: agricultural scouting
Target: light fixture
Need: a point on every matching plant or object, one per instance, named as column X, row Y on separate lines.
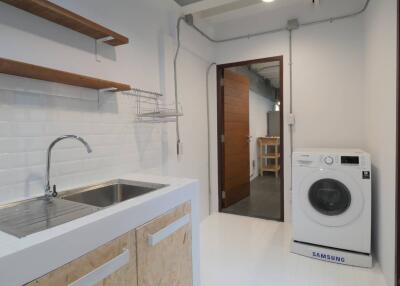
column 268, row 1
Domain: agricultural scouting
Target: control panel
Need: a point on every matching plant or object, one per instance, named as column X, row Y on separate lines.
column 331, row 160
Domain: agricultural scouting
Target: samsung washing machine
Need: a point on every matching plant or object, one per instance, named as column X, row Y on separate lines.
column 332, row 205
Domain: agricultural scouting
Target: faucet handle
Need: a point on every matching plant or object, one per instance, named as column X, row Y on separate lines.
column 54, row 192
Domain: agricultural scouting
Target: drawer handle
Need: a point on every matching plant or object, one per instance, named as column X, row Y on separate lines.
column 103, row 271
column 156, row 238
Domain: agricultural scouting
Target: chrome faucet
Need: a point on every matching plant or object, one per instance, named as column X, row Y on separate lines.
column 48, row 191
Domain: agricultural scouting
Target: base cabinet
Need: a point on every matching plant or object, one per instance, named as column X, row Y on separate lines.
column 164, row 250
column 159, row 253
column 93, row 264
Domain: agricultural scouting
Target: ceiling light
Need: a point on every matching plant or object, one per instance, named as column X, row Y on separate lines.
column 268, row 1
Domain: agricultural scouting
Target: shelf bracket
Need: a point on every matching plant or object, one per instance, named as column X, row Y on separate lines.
column 98, row 42
column 103, row 90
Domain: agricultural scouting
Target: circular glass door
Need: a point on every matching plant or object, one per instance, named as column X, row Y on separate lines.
column 329, row 197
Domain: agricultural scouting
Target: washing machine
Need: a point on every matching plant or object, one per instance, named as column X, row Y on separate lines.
column 331, row 199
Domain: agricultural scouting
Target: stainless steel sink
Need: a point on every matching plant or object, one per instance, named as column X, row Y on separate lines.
column 110, row 193
column 27, row 217
column 31, row 216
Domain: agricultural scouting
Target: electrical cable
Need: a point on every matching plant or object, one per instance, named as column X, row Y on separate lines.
column 178, row 32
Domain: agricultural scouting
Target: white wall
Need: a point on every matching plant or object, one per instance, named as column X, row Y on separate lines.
column 259, row 105
column 28, row 122
column 380, row 126
column 327, row 84
column 193, row 125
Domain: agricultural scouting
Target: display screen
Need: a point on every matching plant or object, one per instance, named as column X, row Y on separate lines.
column 353, row 160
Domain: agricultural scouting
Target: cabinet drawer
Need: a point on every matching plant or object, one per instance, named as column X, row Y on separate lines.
column 164, row 249
column 118, row 256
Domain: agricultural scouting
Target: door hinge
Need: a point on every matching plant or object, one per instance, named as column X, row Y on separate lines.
column 221, row 82
column 223, row 195
column 222, row 138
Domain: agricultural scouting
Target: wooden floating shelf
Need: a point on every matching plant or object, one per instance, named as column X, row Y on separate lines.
column 42, row 73
column 66, row 18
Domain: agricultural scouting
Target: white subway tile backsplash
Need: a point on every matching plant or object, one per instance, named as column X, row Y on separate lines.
column 6, row 129
column 35, row 158
column 27, row 129
column 36, row 143
column 11, row 144
column 12, row 175
column 12, row 160
column 7, row 96
column 29, row 99
column 33, row 113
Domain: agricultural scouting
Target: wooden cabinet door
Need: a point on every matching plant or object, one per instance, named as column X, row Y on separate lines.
column 164, row 249
column 120, row 249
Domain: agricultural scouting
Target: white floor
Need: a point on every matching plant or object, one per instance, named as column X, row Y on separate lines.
column 242, row 251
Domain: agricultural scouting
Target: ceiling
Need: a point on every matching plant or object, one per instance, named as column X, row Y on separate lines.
column 255, row 15
column 269, row 71
column 236, row 8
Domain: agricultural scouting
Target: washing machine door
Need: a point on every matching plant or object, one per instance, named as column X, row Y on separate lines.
column 331, row 198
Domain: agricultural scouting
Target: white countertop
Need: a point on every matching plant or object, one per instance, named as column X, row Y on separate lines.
column 25, row 259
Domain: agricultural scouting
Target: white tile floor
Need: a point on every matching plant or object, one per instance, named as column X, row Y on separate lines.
column 242, row 251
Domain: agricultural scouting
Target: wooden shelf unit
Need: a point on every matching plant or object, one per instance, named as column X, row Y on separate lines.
column 42, row 73
column 54, row 13
column 269, row 161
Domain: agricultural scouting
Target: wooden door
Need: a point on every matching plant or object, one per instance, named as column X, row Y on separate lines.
column 164, row 248
column 236, row 146
column 126, row 275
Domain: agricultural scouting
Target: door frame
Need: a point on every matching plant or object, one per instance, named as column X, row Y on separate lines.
column 397, row 239
column 220, row 125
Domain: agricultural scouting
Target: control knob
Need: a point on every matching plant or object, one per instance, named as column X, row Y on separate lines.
column 328, row 160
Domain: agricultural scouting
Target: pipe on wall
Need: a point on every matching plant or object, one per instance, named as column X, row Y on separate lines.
column 178, row 35
column 209, row 137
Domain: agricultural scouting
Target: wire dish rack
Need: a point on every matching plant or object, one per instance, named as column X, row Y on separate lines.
column 150, row 108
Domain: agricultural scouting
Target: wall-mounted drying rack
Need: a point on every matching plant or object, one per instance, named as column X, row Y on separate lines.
column 150, row 109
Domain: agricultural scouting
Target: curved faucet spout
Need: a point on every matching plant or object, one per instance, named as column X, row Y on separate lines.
column 48, row 191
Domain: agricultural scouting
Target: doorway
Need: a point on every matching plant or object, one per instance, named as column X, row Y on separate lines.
column 250, row 132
